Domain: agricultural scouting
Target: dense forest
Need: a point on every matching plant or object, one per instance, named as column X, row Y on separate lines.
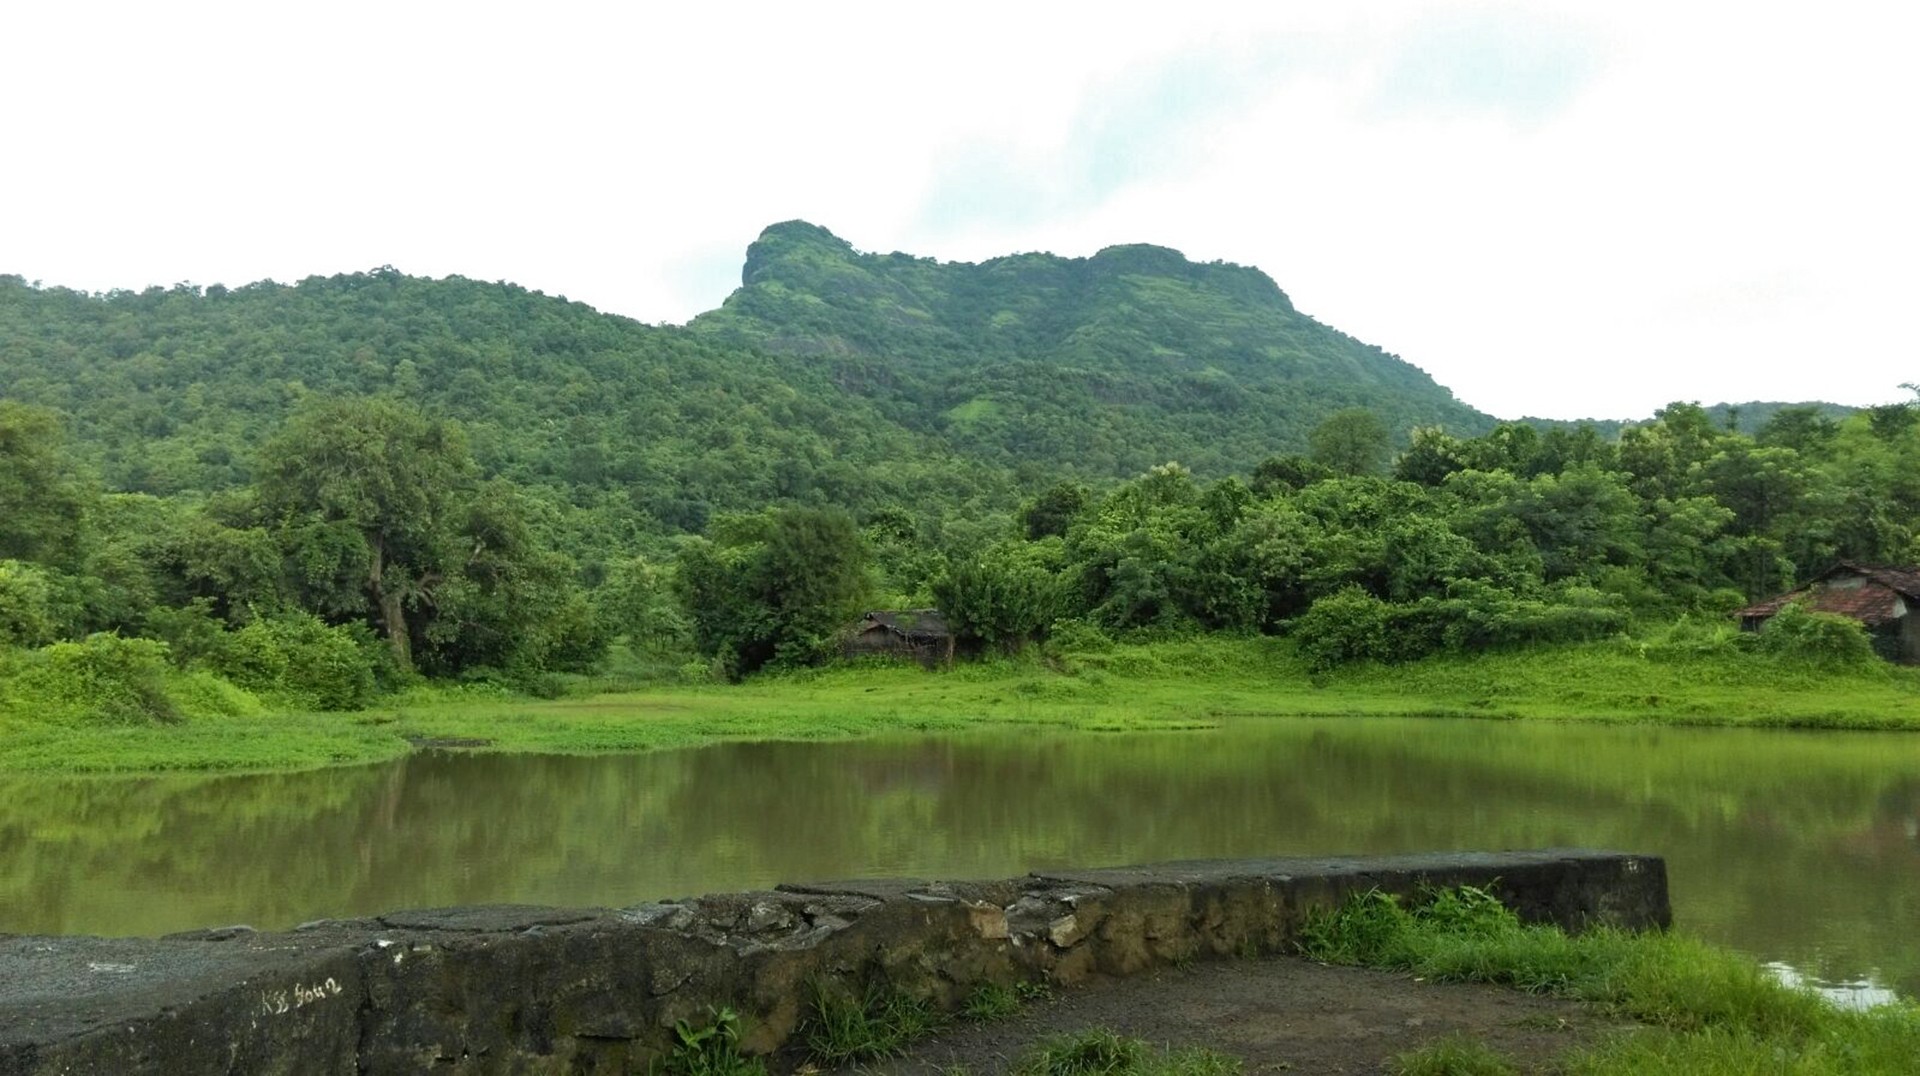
column 304, row 496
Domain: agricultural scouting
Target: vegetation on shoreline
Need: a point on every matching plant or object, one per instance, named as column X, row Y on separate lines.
column 1693, row 1008
column 1100, row 686
column 362, row 494
column 1678, row 1005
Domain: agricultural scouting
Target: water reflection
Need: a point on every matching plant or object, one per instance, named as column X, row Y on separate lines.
column 1799, row 847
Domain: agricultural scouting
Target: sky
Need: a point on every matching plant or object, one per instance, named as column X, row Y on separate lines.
column 1556, row 209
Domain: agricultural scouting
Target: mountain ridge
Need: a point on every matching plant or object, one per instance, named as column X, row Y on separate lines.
column 1010, row 356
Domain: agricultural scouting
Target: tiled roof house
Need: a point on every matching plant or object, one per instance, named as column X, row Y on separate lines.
column 1885, row 599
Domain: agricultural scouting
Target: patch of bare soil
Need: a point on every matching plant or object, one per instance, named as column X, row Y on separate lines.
column 1280, row 1014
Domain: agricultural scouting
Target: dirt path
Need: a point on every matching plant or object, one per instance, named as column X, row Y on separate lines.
column 1278, row 1015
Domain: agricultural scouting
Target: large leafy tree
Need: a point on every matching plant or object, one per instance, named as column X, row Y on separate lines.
column 42, row 504
column 1006, row 594
column 774, row 588
column 367, row 495
column 1351, row 442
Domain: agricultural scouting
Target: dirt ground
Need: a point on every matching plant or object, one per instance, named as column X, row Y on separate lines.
column 1280, row 1014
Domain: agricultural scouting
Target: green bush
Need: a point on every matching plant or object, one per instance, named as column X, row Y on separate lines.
column 101, row 680
column 1352, row 625
column 26, row 605
column 1077, row 636
column 1349, row 625
column 1796, row 633
column 300, row 661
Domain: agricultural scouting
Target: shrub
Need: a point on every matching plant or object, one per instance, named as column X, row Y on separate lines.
column 26, row 605
column 101, row 680
column 1820, row 638
column 1077, row 636
column 300, row 661
column 1349, row 625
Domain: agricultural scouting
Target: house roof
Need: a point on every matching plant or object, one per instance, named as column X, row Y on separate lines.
column 1881, row 594
column 912, row 623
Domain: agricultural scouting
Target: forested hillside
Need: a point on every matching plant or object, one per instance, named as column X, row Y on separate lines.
column 646, row 430
column 1097, row 366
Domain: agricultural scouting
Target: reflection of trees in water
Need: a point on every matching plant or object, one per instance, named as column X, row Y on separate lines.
column 1793, row 845
column 1899, row 809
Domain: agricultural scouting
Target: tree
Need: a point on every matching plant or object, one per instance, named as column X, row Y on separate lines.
column 1006, row 594
column 1053, row 511
column 1284, row 474
column 365, row 495
column 773, row 588
column 42, row 505
column 508, row 602
column 1351, row 442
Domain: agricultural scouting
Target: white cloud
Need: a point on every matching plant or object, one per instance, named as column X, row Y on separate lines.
column 1557, row 209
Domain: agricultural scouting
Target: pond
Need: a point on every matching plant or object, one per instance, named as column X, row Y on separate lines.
column 1798, row 847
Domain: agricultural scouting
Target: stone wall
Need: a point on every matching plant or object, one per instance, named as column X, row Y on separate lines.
column 526, row 989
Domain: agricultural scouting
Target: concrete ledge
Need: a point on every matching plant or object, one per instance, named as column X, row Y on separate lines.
column 525, row 989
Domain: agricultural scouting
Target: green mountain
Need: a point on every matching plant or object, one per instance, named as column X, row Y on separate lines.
column 168, row 391
column 1102, row 366
column 830, row 377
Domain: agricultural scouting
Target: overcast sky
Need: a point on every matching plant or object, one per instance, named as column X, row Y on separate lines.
column 1564, row 210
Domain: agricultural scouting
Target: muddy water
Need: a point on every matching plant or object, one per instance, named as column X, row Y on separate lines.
column 1798, row 847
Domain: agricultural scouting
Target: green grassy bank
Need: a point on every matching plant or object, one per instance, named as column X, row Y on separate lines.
column 1685, row 1007
column 1188, row 683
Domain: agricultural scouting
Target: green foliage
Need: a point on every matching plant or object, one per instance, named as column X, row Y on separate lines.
column 497, row 482
column 1349, row 625
column 100, row 680
column 1799, row 634
column 26, row 605
column 1352, row 625
column 1369, row 928
column 1054, row 510
column 42, row 503
column 1709, row 1010
column 712, row 1049
column 1284, row 474
column 1351, row 442
column 367, row 492
column 842, row 1028
column 1007, row 594
column 776, row 589
column 638, row 602
column 300, row 662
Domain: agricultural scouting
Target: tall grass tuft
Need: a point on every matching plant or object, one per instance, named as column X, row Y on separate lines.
column 1100, row 1052
column 880, row 1023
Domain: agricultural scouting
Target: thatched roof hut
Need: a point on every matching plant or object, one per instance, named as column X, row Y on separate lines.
column 921, row 634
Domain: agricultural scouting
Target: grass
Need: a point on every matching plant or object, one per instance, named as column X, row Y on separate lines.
column 1694, row 1008
column 1182, row 684
column 1454, row 1055
column 994, row 1001
column 843, row 1028
column 1100, row 1052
